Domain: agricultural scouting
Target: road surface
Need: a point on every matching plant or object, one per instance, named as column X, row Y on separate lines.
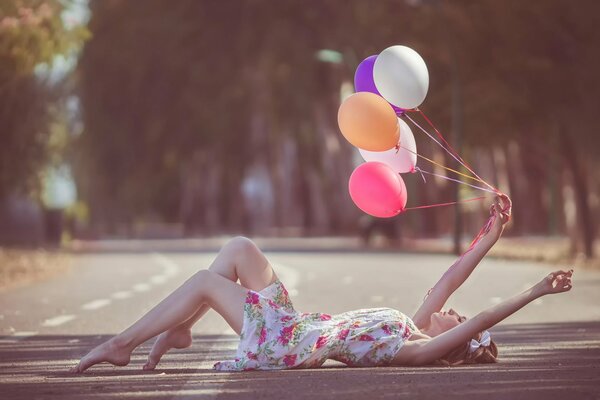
column 551, row 349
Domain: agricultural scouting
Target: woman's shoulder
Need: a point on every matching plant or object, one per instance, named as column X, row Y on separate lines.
column 410, row 351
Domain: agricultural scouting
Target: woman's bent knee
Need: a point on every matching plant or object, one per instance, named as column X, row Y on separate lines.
column 202, row 281
column 241, row 243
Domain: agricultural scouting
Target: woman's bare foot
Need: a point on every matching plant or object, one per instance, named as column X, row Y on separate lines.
column 173, row 338
column 110, row 351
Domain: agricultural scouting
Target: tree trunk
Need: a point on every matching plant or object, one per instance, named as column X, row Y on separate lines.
column 580, row 187
column 457, row 126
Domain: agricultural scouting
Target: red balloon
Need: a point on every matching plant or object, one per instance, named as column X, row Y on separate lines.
column 377, row 190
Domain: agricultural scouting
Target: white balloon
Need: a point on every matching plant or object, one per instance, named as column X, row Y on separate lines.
column 401, row 161
column 401, row 76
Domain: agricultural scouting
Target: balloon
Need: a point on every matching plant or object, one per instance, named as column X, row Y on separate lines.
column 363, row 80
column 402, row 160
column 368, row 122
column 401, row 76
column 377, row 190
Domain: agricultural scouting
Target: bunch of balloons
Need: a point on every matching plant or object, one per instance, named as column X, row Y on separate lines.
column 386, row 85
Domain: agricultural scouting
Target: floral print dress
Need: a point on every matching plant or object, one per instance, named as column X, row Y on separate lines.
column 275, row 336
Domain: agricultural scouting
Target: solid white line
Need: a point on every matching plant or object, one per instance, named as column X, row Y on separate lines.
column 141, row 287
column 24, row 334
column 56, row 321
column 121, row 295
column 95, row 304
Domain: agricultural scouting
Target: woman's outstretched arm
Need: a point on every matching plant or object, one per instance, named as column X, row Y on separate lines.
column 426, row 351
column 458, row 272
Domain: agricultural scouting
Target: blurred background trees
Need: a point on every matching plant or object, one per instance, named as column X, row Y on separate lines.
column 220, row 117
column 33, row 136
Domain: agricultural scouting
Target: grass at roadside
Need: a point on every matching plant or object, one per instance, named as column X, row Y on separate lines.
column 22, row 266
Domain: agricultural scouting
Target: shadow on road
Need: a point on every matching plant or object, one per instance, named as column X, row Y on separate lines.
column 549, row 361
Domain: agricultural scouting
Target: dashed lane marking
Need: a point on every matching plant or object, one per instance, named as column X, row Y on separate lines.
column 95, row 304
column 121, row 295
column 141, row 287
column 159, row 279
column 56, row 321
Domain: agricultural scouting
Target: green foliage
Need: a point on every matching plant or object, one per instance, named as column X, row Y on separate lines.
column 32, row 33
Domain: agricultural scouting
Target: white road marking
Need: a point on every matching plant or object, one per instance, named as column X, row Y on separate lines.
column 141, row 287
column 24, row 334
column 18, row 336
column 121, row 295
column 159, row 279
column 95, row 304
column 56, row 321
column 377, row 299
column 170, row 267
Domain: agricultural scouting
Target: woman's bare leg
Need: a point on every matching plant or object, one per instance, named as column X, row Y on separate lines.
column 239, row 258
column 203, row 290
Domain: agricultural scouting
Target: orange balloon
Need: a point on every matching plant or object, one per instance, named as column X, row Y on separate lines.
column 369, row 122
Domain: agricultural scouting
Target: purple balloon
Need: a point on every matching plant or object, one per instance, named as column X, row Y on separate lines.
column 363, row 80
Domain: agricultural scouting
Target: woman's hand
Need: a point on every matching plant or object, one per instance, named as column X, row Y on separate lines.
column 555, row 282
column 502, row 209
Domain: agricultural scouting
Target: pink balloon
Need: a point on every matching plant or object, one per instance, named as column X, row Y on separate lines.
column 377, row 190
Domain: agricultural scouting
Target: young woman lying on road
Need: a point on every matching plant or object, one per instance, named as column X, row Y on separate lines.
column 273, row 335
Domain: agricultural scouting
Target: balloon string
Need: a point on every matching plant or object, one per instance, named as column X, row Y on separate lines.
column 444, row 204
column 484, row 230
column 456, row 156
column 442, row 146
column 448, row 146
column 453, row 180
column 442, row 166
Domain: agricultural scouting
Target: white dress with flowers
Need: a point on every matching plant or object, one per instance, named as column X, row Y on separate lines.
column 275, row 336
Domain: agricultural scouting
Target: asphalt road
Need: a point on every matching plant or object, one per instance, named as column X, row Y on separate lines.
column 551, row 349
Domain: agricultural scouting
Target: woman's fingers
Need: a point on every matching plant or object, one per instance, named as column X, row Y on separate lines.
column 562, row 283
column 506, row 201
column 559, row 281
column 505, row 205
column 561, row 272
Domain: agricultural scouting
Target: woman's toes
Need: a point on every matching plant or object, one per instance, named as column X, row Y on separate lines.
column 149, row 366
column 153, row 358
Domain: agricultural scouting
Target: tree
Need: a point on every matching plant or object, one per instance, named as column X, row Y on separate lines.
column 31, row 34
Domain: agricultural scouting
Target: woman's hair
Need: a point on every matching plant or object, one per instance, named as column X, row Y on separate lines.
column 463, row 355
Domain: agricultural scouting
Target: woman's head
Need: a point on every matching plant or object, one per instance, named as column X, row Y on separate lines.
column 442, row 321
column 479, row 349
